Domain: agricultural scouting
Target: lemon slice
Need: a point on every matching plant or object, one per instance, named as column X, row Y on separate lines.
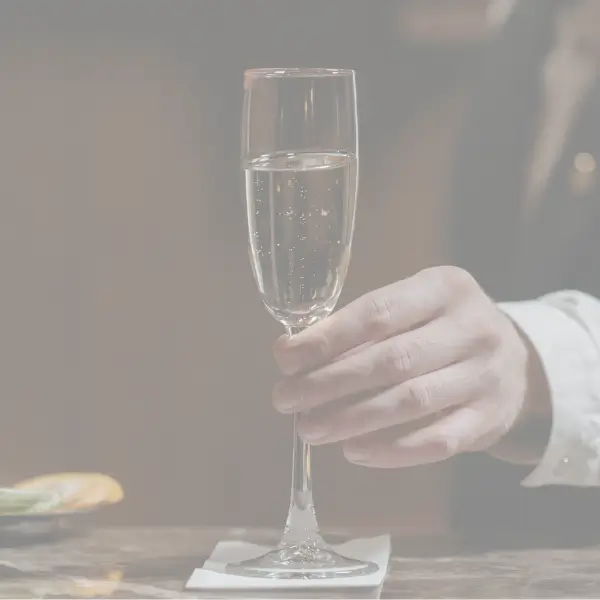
column 20, row 502
column 77, row 491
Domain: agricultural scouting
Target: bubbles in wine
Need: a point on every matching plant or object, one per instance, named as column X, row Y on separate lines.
column 301, row 220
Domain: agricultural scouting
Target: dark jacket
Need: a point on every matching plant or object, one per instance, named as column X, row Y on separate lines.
column 558, row 248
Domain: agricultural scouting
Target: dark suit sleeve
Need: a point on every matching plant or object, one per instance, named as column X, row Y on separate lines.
column 490, row 507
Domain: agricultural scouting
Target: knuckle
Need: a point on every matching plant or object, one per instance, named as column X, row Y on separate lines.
column 419, row 399
column 361, row 370
column 320, row 347
column 379, row 314
column 398, row 359
column 491, row 378
column 457, row 279
column 488, row 332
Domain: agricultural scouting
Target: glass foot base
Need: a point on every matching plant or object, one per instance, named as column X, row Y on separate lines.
column 302, row 561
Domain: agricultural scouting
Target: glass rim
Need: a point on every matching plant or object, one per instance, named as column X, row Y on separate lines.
column 298, row 72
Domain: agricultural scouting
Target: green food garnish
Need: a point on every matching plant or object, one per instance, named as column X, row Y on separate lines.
column 20, row 502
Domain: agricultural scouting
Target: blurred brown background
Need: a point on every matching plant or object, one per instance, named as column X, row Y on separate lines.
column 132, row 337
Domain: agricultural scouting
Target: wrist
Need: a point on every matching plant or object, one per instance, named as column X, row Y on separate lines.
column 526, row 441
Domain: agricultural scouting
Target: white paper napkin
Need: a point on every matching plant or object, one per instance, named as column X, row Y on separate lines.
column 212, row 575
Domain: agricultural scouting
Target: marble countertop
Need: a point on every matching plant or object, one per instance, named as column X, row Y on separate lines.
column 155, row 563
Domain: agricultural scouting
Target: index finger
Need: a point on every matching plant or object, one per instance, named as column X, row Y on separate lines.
column 390, row 310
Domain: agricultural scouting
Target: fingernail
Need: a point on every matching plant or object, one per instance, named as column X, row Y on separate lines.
column 282, row 401
column 288, row 367
column 287, row 362
column 315, row 433
column 291, row 356
column 357, row 454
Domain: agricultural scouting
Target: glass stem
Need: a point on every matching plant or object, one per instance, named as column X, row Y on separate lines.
column 301, row 526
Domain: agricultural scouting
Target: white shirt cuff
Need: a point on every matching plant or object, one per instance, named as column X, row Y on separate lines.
column 570, row 360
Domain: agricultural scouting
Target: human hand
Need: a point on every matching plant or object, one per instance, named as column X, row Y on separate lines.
column 430, row 345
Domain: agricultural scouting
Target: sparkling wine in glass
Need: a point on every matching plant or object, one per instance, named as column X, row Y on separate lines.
column 300, row 161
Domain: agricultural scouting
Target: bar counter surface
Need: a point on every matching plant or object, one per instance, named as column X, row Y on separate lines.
column 156, row 562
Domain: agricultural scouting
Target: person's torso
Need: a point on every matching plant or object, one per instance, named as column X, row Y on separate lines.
column 520, row 255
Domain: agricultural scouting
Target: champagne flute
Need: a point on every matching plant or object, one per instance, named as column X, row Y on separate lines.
column 300, row 158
